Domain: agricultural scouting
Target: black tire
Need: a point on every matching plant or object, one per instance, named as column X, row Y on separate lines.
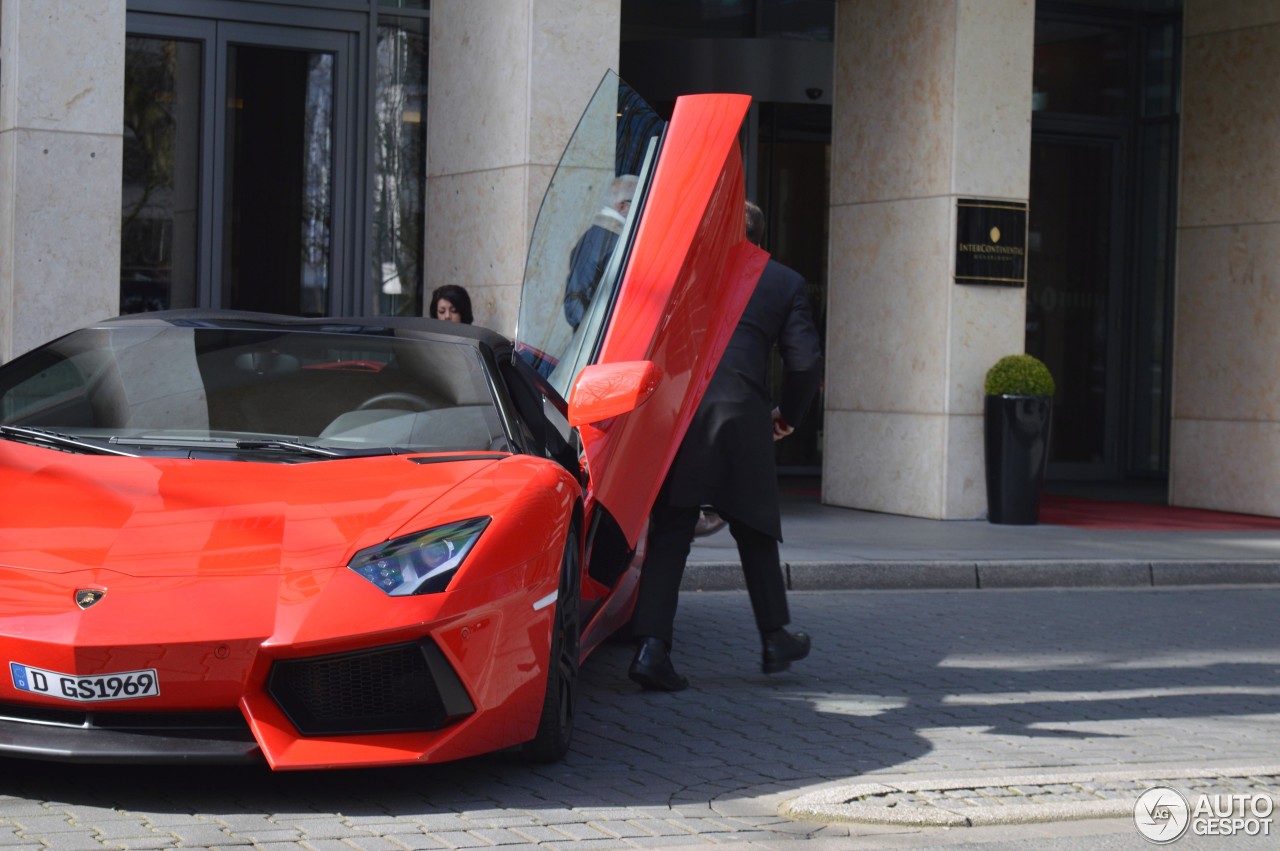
column 555, row 729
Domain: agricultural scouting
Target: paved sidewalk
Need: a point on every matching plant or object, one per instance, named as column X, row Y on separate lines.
column 826, row 547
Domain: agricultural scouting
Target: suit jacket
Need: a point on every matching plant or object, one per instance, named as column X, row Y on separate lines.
column 727, row 457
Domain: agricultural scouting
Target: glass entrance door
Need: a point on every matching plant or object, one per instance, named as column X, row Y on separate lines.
column 281, row 168
column 789, row 155
column 240, row 167
column 1075, row 267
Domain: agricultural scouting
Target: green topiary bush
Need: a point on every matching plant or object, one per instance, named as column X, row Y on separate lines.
column 1018, row 375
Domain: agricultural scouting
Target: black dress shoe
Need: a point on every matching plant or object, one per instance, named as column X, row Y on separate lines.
column 652, row 667
column 781, row 648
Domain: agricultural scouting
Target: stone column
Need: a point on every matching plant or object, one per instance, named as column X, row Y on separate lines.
column 508, row 80
column 61, row 95
column 1226, row 396
column 932, row 102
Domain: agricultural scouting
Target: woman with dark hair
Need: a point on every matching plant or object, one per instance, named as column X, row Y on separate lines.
column 452, row 304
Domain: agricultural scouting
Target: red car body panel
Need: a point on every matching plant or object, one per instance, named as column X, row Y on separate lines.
column 689, row 278
column 217, row 569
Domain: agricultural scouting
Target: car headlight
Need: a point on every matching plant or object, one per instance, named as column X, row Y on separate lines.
column 421, row 563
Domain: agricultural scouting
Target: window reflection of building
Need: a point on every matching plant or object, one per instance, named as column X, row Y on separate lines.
column 317, row 190
column 399, row 152
column 160, row 173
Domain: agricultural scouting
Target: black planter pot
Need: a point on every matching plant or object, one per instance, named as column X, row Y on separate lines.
column 1016, row 440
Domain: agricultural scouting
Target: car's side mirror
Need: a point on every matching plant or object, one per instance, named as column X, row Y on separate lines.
column 606, row 390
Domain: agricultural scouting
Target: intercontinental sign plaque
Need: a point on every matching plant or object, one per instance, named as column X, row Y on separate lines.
column 991, row 242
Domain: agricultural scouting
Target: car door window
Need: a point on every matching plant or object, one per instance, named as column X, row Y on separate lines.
column 584, row 227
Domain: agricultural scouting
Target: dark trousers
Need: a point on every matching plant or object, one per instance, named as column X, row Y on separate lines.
column 670, row 537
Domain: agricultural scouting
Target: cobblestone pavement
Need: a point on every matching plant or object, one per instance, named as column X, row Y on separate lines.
column 919, row 692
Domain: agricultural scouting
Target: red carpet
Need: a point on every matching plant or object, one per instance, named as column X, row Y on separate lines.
column 1143, row 517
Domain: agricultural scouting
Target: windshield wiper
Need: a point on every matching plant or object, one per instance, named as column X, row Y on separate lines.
column 312, row 449
column 57, row 440
column 270, row 444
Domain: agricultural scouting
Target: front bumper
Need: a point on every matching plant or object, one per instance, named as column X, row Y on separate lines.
column 406, row 688
column 155, row 738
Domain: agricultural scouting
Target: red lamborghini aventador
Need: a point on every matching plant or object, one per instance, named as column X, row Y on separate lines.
column 328, row 542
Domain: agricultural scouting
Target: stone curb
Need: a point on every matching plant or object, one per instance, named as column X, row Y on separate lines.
column 960, row 575
column 870, row 803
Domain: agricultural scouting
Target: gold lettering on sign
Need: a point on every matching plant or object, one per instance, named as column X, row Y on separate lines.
column 980, row 248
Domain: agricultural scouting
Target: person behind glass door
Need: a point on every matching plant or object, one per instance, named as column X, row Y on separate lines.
column 452, row 304
column 591, row 254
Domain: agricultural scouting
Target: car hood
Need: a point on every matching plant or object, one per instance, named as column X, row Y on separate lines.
column 163, row 517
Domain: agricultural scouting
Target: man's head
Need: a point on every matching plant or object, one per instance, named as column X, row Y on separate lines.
column 755, row 223
column 621, row 191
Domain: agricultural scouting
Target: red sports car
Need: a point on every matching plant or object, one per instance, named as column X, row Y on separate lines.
column 332, row 542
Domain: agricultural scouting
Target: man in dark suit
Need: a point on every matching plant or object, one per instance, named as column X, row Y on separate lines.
column 727, row 461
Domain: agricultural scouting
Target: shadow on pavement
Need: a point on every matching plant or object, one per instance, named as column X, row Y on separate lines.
column 897, row 682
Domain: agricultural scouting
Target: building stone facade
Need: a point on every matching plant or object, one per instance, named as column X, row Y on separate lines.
column 1225, row 449
column 61, row 95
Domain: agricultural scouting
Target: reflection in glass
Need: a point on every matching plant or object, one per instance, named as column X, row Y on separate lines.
column 793, row 165
column 1068, row 285
column 591, row 254
column 317, row 182
column 1153, row 272
column 145, row 383
column 582, row 233
column 278, row 201
column 399, row 163
column 811, row 20
column 160, row 174
column 1082, row 68
column 1159, row 70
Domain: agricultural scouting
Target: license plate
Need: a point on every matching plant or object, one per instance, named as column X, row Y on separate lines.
column 125, row 685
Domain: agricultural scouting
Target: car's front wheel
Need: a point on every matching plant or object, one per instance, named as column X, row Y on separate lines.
column 555, row 729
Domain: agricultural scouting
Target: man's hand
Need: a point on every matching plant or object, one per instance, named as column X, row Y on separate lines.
column 781, row 428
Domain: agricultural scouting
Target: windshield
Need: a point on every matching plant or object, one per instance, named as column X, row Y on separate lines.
column 584, row 228
column 311, row 393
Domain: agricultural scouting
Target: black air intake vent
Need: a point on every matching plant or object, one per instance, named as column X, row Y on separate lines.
column 400, row 688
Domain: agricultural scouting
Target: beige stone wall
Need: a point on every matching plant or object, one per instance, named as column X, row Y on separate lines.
column 507, row 82
column 1225, row 448
column 61, row 90
column 932, row 102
